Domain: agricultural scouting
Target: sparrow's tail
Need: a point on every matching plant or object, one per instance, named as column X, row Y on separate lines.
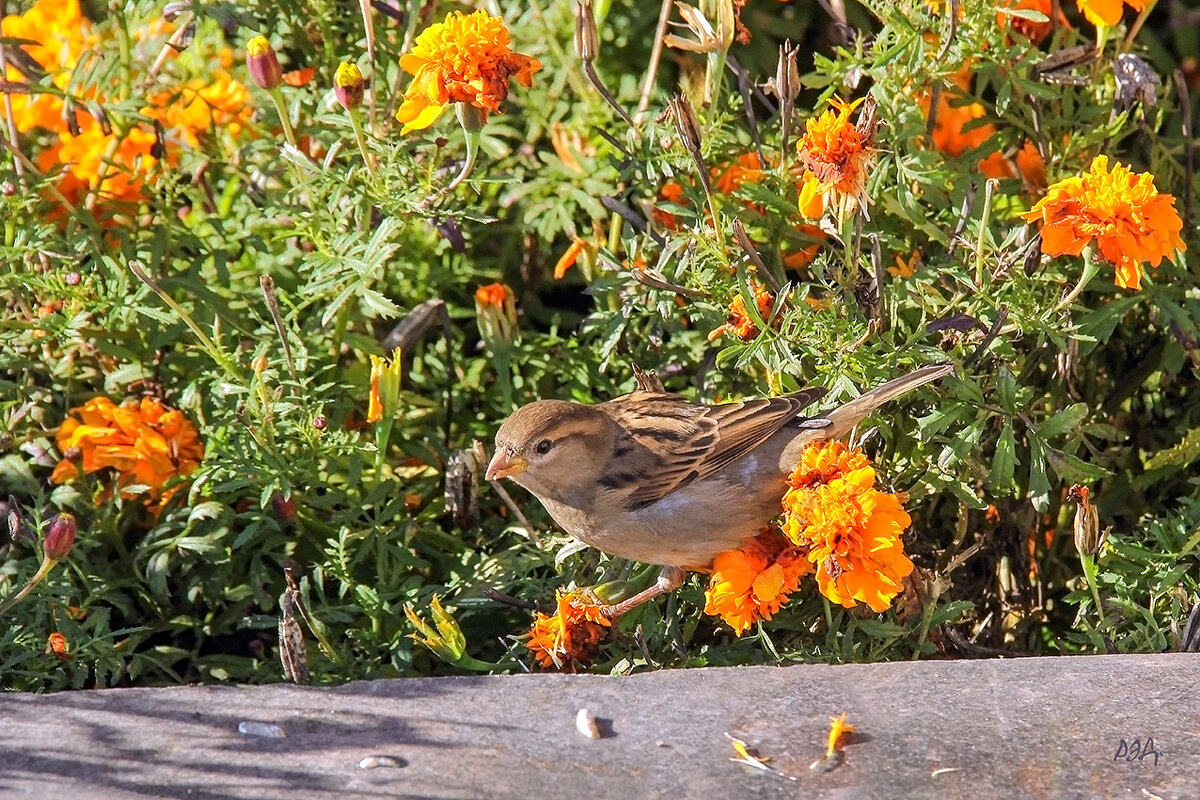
column 845, row 417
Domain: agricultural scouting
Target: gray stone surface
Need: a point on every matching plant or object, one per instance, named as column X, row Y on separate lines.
column 1025, row 728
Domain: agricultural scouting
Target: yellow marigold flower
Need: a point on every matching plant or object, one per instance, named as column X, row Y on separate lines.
column 850, row 529
column 384, row 396
column 465, row 59
column 740, row 324
column 145, row 442
column 1120, row 210
column 572, row 635
column 835, row 155
column 1106, row 13
column 754, row 582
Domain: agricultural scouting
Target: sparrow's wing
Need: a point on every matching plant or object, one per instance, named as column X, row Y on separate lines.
column 671, row 443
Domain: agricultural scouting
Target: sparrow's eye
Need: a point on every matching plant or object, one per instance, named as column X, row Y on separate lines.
column 543, row 447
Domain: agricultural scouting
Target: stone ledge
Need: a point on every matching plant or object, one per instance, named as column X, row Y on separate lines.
column 1011, row 729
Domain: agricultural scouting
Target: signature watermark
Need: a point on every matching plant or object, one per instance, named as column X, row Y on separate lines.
column 1137, row 750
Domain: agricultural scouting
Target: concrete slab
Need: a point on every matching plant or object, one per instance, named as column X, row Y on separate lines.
column 1058, row 728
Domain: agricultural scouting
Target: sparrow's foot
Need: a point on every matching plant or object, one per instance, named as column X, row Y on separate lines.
column 670, row 579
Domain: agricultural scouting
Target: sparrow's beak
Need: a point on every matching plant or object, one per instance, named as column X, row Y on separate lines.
column 505, row 466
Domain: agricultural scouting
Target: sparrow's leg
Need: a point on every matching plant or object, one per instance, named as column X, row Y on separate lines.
column 670, row 579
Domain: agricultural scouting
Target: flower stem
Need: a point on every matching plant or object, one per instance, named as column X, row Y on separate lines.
column 362, row 141
column 989, row 188
column 472, row 138
column 284, row 119
column 1089, row 574
column 43, row 571
column 1090, row 268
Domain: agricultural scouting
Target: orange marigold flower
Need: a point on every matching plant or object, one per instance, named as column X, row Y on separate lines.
column 835, row 155
column 57, row 644
column 465, row 59
column 1120, row 210
column 572, row 635
column 748, row 167
column 672, row 192
column 754, row 582
column 850, row 529
column 62, row 35
column 145, row 442
column 1106, row 13
column 568, row 258
column 1033, row 31
column 906, row 268
column 740, row 324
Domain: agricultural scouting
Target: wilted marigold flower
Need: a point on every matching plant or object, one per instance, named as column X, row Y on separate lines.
column 850, row 529
column 572, row 635
column 1120, row 210
column 465, row 59
column 834, row 154
column 740, row 324
column 754, row 582
column 145, row 442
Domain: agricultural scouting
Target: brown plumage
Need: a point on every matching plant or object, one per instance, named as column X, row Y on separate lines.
column 654, row 478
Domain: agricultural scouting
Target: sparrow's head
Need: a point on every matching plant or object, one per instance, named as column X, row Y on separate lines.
column 544, row 444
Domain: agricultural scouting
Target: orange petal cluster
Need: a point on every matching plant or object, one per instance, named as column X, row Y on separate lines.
column 145, row 442
column 740, row 324
column 464, row 59
column 61, row 35
column 1033, row 31
column 850, row 530
column 835, row 155
column 572, row 635
column 754, row 582
column 1106, row 13
column 1119, row 210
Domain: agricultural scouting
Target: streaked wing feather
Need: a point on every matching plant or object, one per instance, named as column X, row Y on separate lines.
column 699, row 440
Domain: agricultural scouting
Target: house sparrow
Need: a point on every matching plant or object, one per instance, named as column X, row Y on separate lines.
column 653, row 478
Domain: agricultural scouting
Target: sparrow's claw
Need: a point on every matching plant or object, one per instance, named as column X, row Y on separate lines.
column 670, row 579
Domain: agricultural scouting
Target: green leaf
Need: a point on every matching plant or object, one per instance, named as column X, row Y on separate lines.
column 1004, row 463
column 1063, row 421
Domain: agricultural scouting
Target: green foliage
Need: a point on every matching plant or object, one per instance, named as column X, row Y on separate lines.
column 1064, row 377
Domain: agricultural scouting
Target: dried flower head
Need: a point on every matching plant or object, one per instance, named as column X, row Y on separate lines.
column 1119, row 211
column 464, row 59
column 754, row 582
column 850, row 529
column 572, row 635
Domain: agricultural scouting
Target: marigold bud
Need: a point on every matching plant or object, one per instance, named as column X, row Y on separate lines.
column 8, row 188
column 348, row 85
column 73, row 278
column 60, row 537
column 262, row 63
column 320, row 422
column 73, row 454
